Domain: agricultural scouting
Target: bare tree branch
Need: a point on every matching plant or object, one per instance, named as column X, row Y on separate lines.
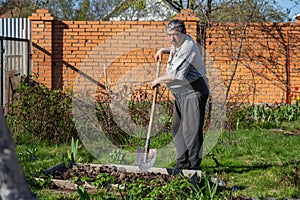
column 116, row 11
column 174, row 4
column 237, row 60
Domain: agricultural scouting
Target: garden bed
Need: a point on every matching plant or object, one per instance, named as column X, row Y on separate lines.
column 69, row 177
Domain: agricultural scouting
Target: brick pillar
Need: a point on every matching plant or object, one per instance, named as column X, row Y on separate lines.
column 191, row 22
column 41, row 37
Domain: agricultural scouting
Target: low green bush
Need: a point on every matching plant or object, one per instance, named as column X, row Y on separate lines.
column 41, row 114
column 46, row 115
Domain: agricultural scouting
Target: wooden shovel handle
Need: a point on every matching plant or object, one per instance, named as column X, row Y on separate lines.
column 147, row 147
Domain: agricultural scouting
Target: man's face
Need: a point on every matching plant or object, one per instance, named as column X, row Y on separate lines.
column 176, row 37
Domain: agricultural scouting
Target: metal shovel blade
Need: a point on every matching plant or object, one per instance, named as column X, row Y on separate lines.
column 145, row 160
column 145, row 157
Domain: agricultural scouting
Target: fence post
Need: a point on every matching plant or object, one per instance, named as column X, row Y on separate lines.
column 2, row 74
column 42, row 49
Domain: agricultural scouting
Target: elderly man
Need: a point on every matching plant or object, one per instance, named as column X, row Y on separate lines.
column 186, row 80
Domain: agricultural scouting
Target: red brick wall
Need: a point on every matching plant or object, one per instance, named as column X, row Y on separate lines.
column 80, row 55
column 268, row 64
column 63, row 49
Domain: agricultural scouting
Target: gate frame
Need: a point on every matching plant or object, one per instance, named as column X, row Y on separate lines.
column 2, row 73
column 9, row 33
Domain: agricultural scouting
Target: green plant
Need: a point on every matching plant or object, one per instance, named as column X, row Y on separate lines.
column 138, row 189
column 210, row 190
column 170, row 191
column 117, row 156
column 73, row 154
column 42, row 181
column 116, row 128
column 85, row 179
column 204, row 189
column 103, row 180
column 44, row 114
column 29, row 154
column 266, row 116
column 84, row 195
column 139, row 111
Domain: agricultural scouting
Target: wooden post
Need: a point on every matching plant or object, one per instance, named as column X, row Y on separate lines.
column 12, row 179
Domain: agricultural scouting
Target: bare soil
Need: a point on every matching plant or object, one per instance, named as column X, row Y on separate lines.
column 121, row 175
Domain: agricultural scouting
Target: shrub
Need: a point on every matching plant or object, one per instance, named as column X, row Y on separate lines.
column 46, row 115
column 43, row 114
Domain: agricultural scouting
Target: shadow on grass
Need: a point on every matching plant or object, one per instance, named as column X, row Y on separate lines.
column 244, row 168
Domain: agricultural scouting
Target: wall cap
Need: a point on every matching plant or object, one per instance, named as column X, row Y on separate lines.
column 187, row 15
column 41, row 15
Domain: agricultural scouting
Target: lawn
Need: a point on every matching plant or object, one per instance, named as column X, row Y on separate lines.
column 259, row 163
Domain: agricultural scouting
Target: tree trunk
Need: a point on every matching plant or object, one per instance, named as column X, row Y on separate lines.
column 12, row 179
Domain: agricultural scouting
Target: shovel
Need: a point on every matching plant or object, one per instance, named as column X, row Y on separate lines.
column 145, row 157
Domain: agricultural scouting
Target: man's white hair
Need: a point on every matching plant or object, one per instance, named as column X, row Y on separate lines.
column 176, row 24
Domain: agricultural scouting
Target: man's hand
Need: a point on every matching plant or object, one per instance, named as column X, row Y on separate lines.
column 155, row 83
column 159, row 54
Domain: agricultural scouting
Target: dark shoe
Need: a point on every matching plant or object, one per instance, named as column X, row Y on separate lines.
column 193, row 168
column 174, row 171
column 180, row 166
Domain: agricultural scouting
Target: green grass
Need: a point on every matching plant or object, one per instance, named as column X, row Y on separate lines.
column 259, row 163
column 42, row 156
column 262, row 163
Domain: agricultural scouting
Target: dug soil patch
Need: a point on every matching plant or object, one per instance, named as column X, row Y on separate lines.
column 86, row 174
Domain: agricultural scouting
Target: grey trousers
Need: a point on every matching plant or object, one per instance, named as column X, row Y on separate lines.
column 187, row 129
